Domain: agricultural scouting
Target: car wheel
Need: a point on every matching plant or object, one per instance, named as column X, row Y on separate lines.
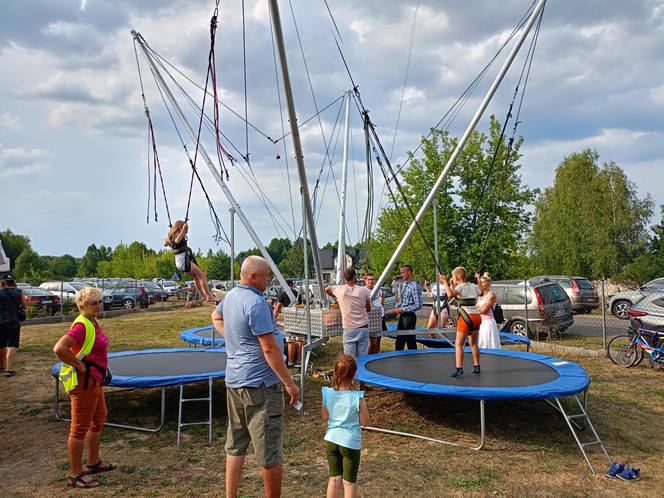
column 128, row 304
column 518, row 327
column 621, row 309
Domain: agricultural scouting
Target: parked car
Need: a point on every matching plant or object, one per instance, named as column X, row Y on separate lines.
column 549, row 307
column 156, row 289
column 581, row 292
column 390, row 299
column 65, row 290
column 41, row 299
column 125, row 296
column 649, row 311
column 622, row 302
column 170, row 286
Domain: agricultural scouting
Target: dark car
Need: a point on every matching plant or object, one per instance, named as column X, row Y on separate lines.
column 155, row 289
column 125, row 296
column 544, row 305
column 581, row 292
column 41, row 299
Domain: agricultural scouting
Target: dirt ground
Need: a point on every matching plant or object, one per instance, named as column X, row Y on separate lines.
column 529, row 450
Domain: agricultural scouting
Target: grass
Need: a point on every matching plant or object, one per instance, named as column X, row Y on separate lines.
column 529, row 450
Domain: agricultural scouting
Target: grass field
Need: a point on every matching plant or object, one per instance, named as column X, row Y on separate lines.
column 529, row 450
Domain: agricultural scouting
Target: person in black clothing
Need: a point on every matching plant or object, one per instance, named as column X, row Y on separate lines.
column 12, row 306
column 184, row 259
column 291, row 340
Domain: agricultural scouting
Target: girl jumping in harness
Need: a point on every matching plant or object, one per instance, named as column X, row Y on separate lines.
column 469, row 320
column 184, row 258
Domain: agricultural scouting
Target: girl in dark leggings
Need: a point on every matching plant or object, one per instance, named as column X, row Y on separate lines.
column 345, row 411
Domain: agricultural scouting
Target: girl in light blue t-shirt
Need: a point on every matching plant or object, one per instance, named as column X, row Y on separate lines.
column 345, row 411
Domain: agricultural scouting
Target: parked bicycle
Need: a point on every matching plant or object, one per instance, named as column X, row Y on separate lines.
column 635, row 345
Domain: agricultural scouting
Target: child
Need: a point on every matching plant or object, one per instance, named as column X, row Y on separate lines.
column 489, row 337
column 444, row 307
column 184, row 258
column 344, row 410
column 469, row 317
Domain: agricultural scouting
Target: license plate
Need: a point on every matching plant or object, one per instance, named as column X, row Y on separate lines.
column 560, row 313
column 47, row 301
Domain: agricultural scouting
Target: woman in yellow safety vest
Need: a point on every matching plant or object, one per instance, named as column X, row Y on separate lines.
column 83, row 351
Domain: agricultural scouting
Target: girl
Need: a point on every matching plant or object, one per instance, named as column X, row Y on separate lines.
column 184, row 258
column 469, row 318
column 488, row 334
column 444, row 307
column 345, row 411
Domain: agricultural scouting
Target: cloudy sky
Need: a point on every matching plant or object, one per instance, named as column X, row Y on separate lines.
column 73, row 146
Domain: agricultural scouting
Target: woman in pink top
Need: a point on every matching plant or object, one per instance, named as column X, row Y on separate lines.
column 488, row 337
column 88, row 407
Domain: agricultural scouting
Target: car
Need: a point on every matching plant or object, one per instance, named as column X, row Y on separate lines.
column 390, row 299
column 41, row 299
column 158, row 291
column 649, row 311
column 581, row 291
column 170, row 286
column 548, row 309
column 125, row 296
column 622, row 302
column 66, row 290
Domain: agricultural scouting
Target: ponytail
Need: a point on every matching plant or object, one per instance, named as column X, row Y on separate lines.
column 344, row 371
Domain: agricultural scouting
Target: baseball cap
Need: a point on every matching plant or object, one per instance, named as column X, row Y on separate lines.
column 8, row 277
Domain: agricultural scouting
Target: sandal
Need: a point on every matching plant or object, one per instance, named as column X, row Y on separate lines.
column 79, row 482
column 10, row 373
column 100, row 467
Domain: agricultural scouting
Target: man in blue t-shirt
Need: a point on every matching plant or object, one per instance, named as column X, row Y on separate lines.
column 255, row 372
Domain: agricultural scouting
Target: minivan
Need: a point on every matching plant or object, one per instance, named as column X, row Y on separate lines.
column 549, row 309
column 581, row 291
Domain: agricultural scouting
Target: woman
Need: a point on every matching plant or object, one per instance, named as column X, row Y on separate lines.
column 184, row 259
column 83, row 350
column 432, row 292
column 488, row 334
column 12, row 303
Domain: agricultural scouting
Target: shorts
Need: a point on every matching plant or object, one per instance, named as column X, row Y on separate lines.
column 183, row 262
column 468, row 322
column 294, row 338
column 88, row 410
column 10, row 335
column 343, row 461
column 379, row 333
column 356, row 342
column 443, row 311
column 255, row 414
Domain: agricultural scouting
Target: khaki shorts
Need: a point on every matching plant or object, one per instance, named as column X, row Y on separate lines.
column 255, row 415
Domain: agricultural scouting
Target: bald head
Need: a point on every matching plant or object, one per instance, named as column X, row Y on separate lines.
column 255, row 272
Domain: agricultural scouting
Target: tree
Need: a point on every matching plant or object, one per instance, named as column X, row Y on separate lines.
column 278, row 248
column 30, row 267
column 481, row 231
column 88, row 264
column 219, row 266
column 650, row 265
column 591, row 221
column 14, row 244
column 64, row 267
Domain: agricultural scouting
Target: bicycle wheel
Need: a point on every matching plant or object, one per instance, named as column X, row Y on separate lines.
column 630, row 356
column 615, row 345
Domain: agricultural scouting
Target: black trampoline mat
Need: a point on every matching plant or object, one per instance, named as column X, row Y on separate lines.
column 435, row 368
column 207, row 332
column 167, row 364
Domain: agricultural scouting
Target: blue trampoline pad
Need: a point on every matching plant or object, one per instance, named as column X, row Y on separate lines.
column 162, row 367
column 505, row 374
column 202, row 336
column 505, row 338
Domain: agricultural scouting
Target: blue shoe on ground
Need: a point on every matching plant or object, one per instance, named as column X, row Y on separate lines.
column 614, row 469
column 457, row 373
column 629, row 474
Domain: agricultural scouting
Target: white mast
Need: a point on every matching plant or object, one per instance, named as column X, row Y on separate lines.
column 341, row 250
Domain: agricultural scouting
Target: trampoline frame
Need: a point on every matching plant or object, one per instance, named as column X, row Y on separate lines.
column 570, row 419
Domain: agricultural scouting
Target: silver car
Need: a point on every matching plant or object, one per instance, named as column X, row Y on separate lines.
column 581, row 292
column 650, row 311
column 622, row 302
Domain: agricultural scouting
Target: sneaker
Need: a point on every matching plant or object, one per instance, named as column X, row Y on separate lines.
column 457, row 373
column 629, row 474
column 614, row 469
column 476, row 369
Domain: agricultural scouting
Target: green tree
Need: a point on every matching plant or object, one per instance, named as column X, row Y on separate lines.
column 278, row 248
column 650, row 265
column 591, row 221
column 30, row 267
column 219, row 266
column 479, row 231
column 88, row 264
column 64, row 266
column 14, row 244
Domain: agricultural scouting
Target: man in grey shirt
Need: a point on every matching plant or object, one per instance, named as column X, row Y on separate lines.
column 255, row 372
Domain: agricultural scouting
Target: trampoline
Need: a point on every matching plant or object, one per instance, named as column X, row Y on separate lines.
column 202, row 336
column 506, row 374
column 161, row 368
column 450, row 336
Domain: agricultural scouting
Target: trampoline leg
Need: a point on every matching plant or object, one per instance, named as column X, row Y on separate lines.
column 208, row 422
column 306, row 353
column 56, row 408
column 482, row 427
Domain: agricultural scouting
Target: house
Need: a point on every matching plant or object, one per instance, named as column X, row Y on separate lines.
column 328, row 262
column 4, row 260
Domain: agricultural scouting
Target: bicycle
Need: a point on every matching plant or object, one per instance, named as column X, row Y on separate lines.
column 644, row 341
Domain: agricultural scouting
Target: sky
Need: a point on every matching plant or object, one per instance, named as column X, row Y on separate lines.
column 73, row 132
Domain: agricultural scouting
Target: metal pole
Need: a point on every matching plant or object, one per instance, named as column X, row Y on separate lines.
column 341, row 250
column 307, row 304
column 603, row 315
column 462, row 142
column 232, row 211
column 295, row 132
column 525, row 307
column 435, row 248
column 215, row 173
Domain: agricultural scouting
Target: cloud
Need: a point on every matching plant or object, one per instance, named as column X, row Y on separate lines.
column 17, row 161
column 9, row 121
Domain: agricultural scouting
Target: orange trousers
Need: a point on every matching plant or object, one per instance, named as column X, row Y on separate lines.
column 88, row 410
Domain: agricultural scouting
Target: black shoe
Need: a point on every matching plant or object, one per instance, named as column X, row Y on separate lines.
column 476, row 369
column 457, row 373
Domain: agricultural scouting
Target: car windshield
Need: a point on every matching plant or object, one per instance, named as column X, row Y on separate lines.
column 552, row 293
column 77, row 285
column 35, row 291
column 584, row 283
column 169, row 283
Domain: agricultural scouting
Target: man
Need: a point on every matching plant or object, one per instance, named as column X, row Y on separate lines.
column 379, row 300
column 12, row 303
column 354, row 302
column 255, row 372
column 292, row 341
column 409, row 302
